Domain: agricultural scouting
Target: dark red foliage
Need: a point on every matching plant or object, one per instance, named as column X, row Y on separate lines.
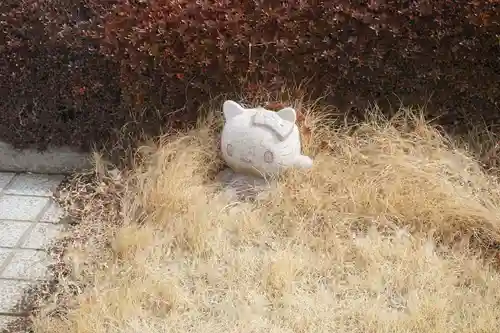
column 93, row 65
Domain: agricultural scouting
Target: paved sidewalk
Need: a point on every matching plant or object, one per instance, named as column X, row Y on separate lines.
column 28, row 223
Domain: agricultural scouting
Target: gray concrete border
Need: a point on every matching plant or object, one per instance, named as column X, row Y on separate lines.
column 52, row 161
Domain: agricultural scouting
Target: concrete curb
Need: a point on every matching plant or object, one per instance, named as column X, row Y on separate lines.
column 52, row 161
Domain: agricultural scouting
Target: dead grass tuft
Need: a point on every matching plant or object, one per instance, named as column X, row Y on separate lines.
column 375, row 238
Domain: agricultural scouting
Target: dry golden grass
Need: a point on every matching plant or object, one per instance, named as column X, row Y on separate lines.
column 384, row 234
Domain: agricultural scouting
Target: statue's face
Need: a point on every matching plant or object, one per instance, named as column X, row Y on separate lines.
column 259, row 140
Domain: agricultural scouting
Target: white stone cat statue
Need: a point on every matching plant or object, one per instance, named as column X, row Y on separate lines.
column 261, row 142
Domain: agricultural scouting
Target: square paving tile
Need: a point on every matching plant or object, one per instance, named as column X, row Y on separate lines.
column 5, row 321
column 27, row 265
column 4, row 254
column 42, row 236
column 14, row 207
column 11, row 232
column 31, row 184
column 5, row 178
column 11, row 293
column 54, row 214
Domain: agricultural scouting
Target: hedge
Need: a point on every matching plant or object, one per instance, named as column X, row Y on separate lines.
column 76, row 71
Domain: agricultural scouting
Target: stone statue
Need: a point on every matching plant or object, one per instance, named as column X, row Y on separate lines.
column 261, row 142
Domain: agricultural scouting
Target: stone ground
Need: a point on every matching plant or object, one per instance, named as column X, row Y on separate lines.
column 29, row 222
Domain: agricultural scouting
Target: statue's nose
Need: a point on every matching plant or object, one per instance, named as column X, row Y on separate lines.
column 245, row 159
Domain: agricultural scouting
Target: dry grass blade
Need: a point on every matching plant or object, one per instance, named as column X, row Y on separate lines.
column 366, row 241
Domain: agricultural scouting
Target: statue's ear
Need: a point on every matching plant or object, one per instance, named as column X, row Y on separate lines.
column 288, row 114
column 231, row 109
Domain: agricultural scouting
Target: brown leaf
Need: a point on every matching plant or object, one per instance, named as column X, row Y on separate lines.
column 306, row 133
column 274, row 106
column 300, row 117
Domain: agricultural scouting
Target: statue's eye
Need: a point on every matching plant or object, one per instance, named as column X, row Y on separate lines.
column 268, row 157
column 229, row 149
